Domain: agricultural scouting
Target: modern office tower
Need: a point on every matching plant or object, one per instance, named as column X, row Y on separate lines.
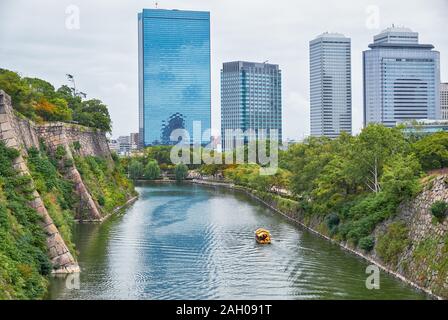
column 444, row 100
column 401, row 78
column 330, row 85
column 251, row 99
column 174, row 74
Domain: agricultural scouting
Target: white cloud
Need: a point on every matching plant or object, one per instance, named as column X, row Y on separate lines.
column 102, row 54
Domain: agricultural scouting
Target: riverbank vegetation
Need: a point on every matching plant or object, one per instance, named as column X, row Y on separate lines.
column 106, row 182
column 345, row 186
column 38, row 100
column 24, row 263
column 56, row 192
column 350, row 184
column 155, row 163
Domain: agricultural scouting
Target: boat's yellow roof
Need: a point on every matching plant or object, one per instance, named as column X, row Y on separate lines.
column 262, row 230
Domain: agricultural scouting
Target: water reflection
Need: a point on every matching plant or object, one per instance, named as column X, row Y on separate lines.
column 194, row 242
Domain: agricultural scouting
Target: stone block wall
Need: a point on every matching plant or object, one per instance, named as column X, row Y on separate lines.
column 91, row 141
column 60, row 256
column 22, row 134
column 424, row 228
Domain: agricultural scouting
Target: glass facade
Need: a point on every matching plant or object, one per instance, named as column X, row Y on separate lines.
column 251, row 98
column 174, row 74
column 330, row 85
column 401, row 79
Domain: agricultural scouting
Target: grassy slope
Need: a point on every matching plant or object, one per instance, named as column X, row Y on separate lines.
column 106, row 182
column 23, row 260
column 24, row 265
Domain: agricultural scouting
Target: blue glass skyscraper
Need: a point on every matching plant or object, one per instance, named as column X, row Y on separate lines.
column 401, row 79
column 174, row 74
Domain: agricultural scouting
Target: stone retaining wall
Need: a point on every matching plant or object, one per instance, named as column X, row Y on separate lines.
column 427, row 272
column 60, row 256
column 22, row 134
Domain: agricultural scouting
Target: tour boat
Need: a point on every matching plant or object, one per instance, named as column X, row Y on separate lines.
column 262, row 236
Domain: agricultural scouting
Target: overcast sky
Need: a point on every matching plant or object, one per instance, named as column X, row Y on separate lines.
column 102, row 53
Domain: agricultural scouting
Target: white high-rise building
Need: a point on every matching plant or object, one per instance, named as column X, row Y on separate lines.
column 330, row 85
column 401, row 79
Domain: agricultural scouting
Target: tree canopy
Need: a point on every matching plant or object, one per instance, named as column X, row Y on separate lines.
column 38, row 100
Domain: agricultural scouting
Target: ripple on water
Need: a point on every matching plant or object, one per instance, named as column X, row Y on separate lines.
column 190, row 242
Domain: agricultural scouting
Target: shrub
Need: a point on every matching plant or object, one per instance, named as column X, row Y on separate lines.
column 77, row 145
column 180, row 171
column 332, row 221
column 106, row 181
column 367, row 243
column 68, row 163
column 60, row 152
column 101, row 200
column 57, row 192
column 23, row 256
column 439, row 210
column 115, row 157
column 136, row 169
column 152, row 170
column 393, row 242
column 361, row 218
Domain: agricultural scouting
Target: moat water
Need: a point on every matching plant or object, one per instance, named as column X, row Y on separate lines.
column 183, row 241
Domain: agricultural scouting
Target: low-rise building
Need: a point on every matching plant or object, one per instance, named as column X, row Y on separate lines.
column 424, row 127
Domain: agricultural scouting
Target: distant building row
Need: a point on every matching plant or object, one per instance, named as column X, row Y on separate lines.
column 124, row 145
column 401, row 82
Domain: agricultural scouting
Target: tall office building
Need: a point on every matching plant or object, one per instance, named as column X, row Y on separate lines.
column 174, row 74
column 401, row 78
column 251, row 98
column 330, row 85
column 444, row 100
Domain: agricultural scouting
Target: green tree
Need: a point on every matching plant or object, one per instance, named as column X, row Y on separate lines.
column 18, row 90
column 152, row 170
column 93, row 113
column 180, row 172
column 37, row 100
column 136, row 170
column 432, row 151
column 400, row 177
column 66, row 93
column 41, row 88
column 159, row 153
column 306, row 162
column 372, row 148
